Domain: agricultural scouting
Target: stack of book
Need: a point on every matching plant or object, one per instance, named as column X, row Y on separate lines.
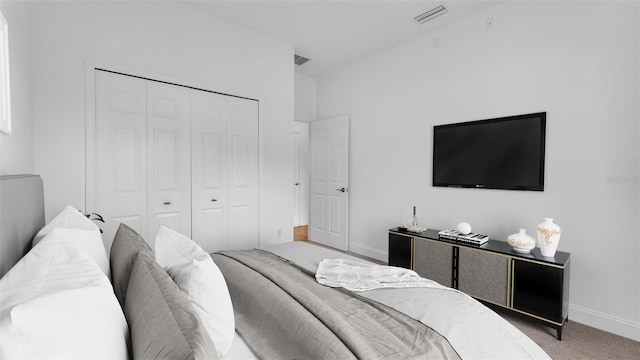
column 471, row 238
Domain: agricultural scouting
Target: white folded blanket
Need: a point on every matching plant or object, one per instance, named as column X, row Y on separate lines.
column 357, row 276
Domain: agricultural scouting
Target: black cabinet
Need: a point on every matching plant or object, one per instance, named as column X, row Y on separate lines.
column 539, row 290
column 400, row 251
column 527, row 284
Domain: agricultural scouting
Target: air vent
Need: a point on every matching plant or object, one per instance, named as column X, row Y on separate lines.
column 299, row 60
column 429, row 15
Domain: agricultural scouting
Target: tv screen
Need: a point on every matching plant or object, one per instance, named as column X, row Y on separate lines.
column 502, row 153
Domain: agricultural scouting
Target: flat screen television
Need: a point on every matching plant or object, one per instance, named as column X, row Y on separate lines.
column 502, row 153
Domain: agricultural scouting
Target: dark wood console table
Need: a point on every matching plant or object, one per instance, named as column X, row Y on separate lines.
column 528, row 284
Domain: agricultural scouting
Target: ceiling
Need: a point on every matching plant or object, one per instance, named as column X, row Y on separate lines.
column 334, row 34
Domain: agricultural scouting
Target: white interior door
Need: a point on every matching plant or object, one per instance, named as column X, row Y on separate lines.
column 209, row 165
column 168, row 158
column 120, row 186
column 330, row 182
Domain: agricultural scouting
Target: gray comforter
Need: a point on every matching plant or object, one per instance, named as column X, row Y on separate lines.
column 283, row 313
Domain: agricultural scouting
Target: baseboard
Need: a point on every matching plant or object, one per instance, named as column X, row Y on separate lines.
column 605, row 322
column 368, row 251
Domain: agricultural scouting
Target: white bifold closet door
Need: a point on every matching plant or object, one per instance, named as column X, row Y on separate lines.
column 168, row 158
column 120, row 191
column 174, row 156
column 243, row 174
column 224, row 134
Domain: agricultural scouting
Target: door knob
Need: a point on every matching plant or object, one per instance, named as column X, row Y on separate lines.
column 342, row 189
column 296, row 184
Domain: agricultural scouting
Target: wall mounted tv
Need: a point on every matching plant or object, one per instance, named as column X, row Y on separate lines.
column 502, row 153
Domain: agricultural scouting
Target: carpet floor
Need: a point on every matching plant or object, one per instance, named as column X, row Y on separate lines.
column 578, row 341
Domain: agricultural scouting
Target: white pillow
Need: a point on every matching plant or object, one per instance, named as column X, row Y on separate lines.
column 195, row 273
column 80, row 232
column 84, row 323
column 57, row 302
column 53, row 265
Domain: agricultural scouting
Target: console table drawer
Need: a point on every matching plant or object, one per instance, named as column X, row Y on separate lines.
column 484, row 275
column 432, row 260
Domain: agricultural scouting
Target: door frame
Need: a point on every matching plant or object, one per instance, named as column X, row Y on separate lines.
column 302, row 127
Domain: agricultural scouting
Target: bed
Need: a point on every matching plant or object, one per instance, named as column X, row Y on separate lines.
column 65, row 297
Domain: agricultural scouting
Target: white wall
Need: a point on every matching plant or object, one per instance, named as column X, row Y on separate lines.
column 305, row 98
column 16, row 150
column 578, row 62
column 173, row 41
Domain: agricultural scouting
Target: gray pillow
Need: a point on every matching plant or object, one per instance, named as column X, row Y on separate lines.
column 162, row 321
column 127, row 244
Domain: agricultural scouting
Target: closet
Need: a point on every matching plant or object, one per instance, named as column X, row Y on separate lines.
column 170, row 155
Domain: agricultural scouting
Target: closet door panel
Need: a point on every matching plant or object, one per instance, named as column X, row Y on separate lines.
column 243, row 177
column 134, row 222
column 214, row 160
column 126, row 155
column 242, row 230
column 213, row 230
column 168, row 219
column 241, row 161
column 120, row 188
column 209, row 157
column 168, row 158
column 165, row 159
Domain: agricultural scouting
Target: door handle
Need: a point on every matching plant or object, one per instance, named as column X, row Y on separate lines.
column 296, row 184
column 342, row 189
column 167, row 203
column 214, row 200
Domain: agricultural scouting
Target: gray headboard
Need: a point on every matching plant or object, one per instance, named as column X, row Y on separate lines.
column 21, row 216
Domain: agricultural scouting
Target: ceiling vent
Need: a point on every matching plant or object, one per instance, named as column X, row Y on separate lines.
column 433, row 13
column 299, row 60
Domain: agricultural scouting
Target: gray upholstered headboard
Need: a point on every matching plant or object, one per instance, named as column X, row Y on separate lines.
column 21, row 216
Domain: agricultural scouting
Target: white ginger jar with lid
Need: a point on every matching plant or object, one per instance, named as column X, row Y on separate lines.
column 521, row 242
column 548, row 237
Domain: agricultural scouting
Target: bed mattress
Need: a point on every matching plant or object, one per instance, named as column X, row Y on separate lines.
column 472, row 329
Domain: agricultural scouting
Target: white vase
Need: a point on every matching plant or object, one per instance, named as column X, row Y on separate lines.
column 548, row 237
column 521, row 242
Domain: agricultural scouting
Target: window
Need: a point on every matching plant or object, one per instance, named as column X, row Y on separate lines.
column 5, row 99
